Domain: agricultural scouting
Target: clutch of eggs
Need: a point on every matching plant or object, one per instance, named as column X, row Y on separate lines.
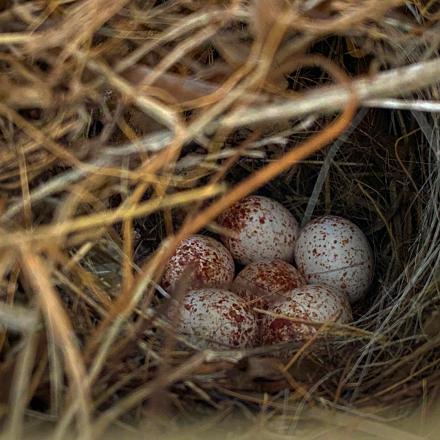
column 335, row 268
column 263, row 228
column 334, row 251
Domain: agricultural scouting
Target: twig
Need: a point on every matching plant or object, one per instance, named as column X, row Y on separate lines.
column 396, row 82
column 400, row 104
column 18, row 318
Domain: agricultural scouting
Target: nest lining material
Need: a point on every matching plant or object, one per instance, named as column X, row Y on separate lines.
column 119, row 122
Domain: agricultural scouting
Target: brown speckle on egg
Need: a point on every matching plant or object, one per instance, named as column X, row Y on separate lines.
column 266, row 281
column 265, row 230
column 212, row 262
column 217, row 319
column 317, row 303
column 344, row 260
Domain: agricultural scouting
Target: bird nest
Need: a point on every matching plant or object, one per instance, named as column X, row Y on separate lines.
column 129, row 125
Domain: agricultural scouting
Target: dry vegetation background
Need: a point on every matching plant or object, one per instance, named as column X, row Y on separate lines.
column 127, row 125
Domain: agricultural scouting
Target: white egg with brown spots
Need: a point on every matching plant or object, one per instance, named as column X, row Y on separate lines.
column 209, row 264
column 216, row 319
column 263, row 230
column 287, row 318
column 334, row 251
column 262, row 282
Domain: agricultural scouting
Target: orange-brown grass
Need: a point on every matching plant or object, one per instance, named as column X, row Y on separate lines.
column 127, row 126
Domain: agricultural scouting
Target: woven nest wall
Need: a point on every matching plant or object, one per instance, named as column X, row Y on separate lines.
column 126, row 126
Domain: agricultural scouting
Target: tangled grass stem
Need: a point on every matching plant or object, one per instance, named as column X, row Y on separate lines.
column 126, row 126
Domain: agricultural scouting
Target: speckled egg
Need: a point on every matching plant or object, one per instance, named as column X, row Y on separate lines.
column 262, row 282
column 317, row 303
column 212, row 264
column 333, row 250
column 217, row 319
column 264, row 230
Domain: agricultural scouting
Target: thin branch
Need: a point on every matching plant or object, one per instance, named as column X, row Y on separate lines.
column 396, row 82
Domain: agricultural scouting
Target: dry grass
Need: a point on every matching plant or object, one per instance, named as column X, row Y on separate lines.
column 126, row 126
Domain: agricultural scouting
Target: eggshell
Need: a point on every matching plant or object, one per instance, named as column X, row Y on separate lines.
column 262, row 282
column 213, row 265
column 264, row 229
column 332, row 250
column 317, row 303
column 217, row 319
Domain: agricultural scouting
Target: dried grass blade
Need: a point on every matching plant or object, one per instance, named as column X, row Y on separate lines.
column 107, row 218
column 20, row 388
column 59, row 323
